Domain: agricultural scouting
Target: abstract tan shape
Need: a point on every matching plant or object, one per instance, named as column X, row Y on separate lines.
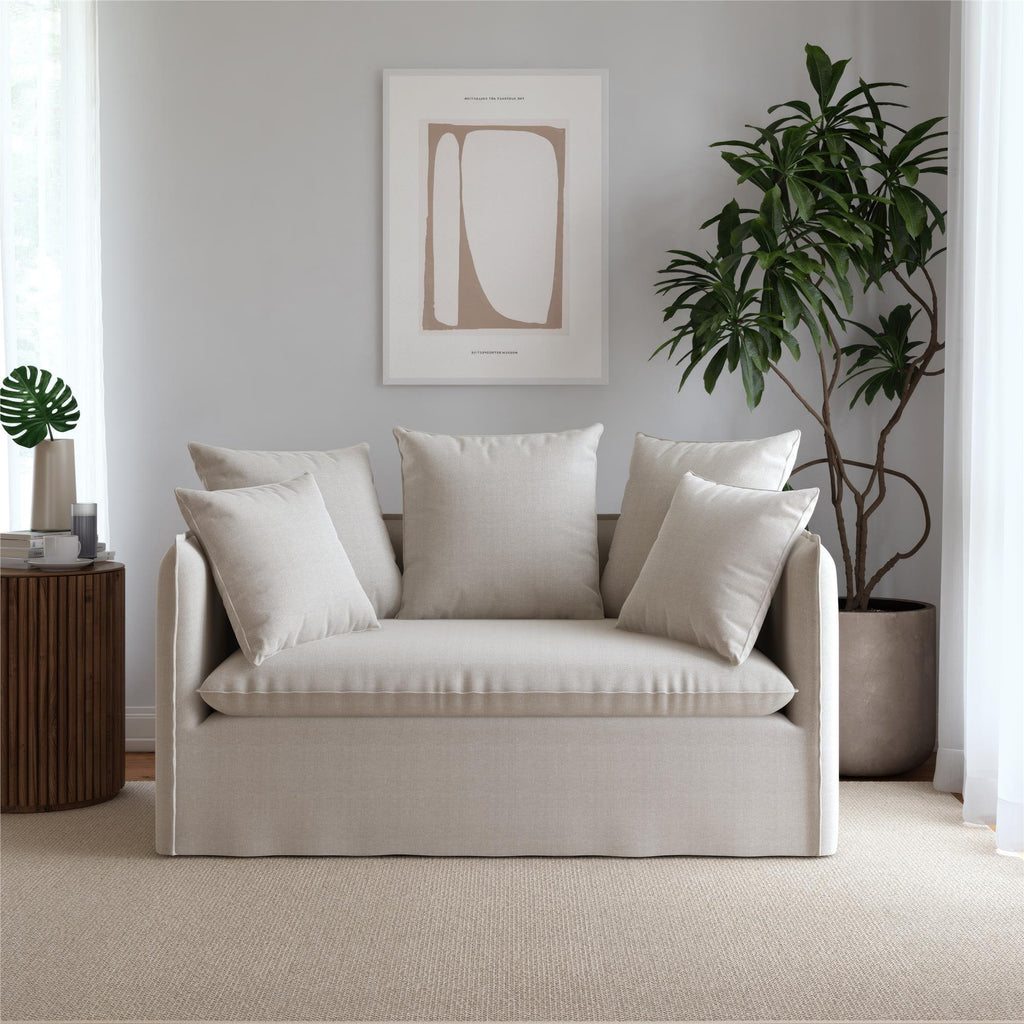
column 476, row 311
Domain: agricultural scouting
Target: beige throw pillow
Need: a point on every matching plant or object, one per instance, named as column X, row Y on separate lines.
column 655, row 470
column 346, row 483
column 715, row 565
column 281, row 571
column 500, row 527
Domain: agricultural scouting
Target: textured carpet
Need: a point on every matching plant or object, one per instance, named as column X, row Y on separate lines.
column 916, row 917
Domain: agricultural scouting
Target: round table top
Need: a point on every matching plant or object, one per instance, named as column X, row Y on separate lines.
column 87, row 570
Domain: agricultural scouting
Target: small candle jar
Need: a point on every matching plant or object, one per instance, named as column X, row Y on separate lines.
column 83, row 526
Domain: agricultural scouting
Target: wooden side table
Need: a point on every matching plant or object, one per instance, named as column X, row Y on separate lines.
column 62, row 687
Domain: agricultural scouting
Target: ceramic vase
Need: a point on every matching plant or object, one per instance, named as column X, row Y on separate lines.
column 53, row 485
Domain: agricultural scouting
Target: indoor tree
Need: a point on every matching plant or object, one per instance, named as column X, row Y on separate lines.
column 837, row 203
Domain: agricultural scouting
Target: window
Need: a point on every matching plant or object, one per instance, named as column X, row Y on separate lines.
column 50, row 228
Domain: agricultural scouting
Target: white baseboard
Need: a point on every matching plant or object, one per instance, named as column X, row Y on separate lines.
column 140, row 729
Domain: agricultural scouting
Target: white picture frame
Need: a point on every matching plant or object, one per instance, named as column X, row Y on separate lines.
column 495, row 227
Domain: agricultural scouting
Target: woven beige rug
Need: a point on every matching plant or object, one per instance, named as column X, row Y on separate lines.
column 916, row 917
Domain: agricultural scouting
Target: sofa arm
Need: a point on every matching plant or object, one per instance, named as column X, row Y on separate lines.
column 801, row 635
column 193, row 636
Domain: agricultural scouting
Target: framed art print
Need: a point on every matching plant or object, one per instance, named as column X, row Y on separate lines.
column 495, row 227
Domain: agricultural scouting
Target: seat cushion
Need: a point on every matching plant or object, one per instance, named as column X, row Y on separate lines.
column 497, row 667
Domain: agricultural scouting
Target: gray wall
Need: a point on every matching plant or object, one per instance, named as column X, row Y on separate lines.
column 242, row 221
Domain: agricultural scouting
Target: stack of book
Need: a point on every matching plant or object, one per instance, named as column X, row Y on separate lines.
column 18, row 545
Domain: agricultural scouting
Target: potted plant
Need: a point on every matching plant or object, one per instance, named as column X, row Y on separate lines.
column 33, row 404
column 834, row 202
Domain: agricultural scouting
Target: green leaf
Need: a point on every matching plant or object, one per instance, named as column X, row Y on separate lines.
column 790, row 341
column 801, row 195
column 757, row 350
column 694, row 356
column 734, row 353
column 762, row 233
column 771, row 209
column 33, row 403
column 714, row 368
column 753, row 380
column 910, row 173
column 800, row 105
column 819, row 70
column 804, row 263
column 841, row 258
column 845, row 291
column 837, row 73
column 913, row 137
column 727, row 223
column 876, row 113
column 747, row 170
column 790, row 303
column 911, row 209
column 836, row 146
column 843, row 228
column 838, row 198
column 812, row 294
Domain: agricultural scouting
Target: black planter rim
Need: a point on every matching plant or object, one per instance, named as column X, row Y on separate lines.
column 887, row 604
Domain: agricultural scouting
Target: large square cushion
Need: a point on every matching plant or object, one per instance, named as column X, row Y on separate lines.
column 500, row 526
column 345, row 480
column 497, row 667
column 655, row 471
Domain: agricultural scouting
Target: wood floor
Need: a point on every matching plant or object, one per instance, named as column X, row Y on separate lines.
column 139, row 767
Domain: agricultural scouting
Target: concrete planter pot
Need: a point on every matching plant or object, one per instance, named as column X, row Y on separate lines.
column 53, row 484
column 887, row 687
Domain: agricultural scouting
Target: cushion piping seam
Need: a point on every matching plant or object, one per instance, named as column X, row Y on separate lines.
column 821, row 773
column 174, row 702
column 516, row 693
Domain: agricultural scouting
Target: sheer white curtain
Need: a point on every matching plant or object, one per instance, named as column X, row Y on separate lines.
column 981, row 654
column 50, row 229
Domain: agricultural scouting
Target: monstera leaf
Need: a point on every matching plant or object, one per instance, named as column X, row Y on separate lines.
column 34, row 403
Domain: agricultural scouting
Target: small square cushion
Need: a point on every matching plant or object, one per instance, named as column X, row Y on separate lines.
column 500, row 526
column 712, row 571
column 346, row 483
column 281, row 571
column 655, row 470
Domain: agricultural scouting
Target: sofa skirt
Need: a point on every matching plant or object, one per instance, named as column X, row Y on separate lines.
column 627, row 787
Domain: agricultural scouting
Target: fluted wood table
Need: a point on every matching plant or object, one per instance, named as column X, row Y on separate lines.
column 62, row 683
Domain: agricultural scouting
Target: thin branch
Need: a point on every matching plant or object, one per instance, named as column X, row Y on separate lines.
column 931, row 288
column 878, row 471
column 910, row 291
column 800, row 398
column 863, row 596
column 838, row 475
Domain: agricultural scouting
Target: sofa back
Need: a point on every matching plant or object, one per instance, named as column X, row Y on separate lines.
column 605, row 528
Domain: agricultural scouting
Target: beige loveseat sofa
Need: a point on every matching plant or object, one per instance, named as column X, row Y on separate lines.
column 497, row 738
